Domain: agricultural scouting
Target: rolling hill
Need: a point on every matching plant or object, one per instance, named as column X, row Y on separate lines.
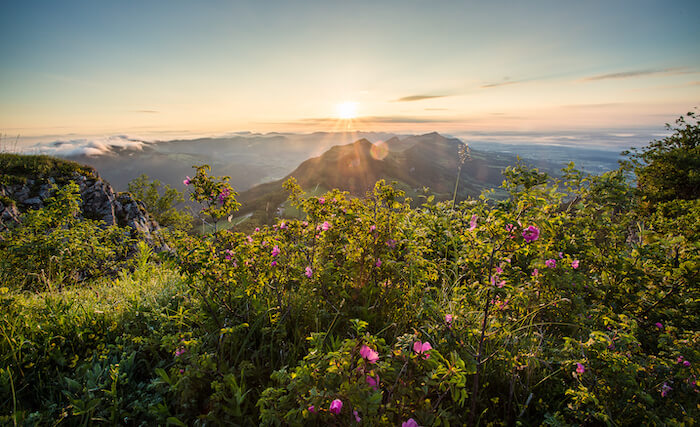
column 414, row 162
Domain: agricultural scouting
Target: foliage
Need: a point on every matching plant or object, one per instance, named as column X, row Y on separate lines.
column 215, row 194
column 161, row 206
column 669, row 168
column 54, row 245
column 564, row 304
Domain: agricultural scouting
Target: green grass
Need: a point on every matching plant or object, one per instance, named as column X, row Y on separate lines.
column 17, row 168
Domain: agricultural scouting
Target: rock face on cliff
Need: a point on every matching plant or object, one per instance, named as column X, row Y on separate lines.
column 27, row 188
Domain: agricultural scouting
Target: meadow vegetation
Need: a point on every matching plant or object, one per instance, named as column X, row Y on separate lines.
column 573, row 301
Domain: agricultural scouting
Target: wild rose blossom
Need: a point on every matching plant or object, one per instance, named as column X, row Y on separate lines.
column 410, row 423
column 372, row 228
column 372, row 382
column 336, row 406
column 275, row 250
column 187, row 180
column 551, row 263
column 312, row 409
column 325, row 226
column 357, row 416
column 273, row 264
column 422, row 348
column 472, row 222
column 665, row 389
column 309, row 272
column 368, row 354
column 531, row 233
column 448, row 320
column 180, row 351
column 659, row 325
column 535, row 272
column 283, row 225
column 322, row 200
column 574, row 264
column 229, row 254
column 378, row 263
column 580, row 368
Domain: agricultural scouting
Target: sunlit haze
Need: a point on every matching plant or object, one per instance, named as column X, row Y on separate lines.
column 175, row 67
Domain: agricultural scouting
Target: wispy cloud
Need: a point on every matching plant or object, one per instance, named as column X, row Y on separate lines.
column 419, row 97
column 638, row 73
column 505, row 83
column 145, row 111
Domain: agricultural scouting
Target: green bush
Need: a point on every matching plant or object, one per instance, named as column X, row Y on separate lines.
column 54, row 245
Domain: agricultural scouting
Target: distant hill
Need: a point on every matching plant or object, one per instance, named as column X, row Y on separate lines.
column 414, row 162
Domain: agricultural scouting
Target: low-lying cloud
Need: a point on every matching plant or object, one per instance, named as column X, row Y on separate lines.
column 86, row 146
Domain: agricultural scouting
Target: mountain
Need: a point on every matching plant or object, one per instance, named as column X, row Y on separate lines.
column 249, row 159
column 414, row 162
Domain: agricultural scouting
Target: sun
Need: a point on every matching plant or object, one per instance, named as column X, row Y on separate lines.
column 347, row 110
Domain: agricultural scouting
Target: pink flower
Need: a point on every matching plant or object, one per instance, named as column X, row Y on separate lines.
column 422, row 348
column 510, row 227
column 659, row 325
column 180, row 351
column 472, row 222
column 312, row 409
column 229, row 254
column 665, row 389
column 372, row 228
column 561, row 255
column 574, row 264
column 275, row 250
column 410, row 423
column 686, row 363
column 531, row 234
column 309, row 272
column 336, row 406
column 257, row 229
column 551, row 263
column 535, row 272
column 273, row 264
column 283, row 226
column 580, row 368
column 372, row 382
column 322, row 200
column 496, row 282
column 187, row 181
column 391, row 243
column 305, row 223
column 368, row 354
column 499, row 270
column 378, row 263
column 325, row 226
column 250, row 239
column 357, row 416
column 448, row 319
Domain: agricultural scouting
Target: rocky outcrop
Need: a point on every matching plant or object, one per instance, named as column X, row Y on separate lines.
column 99, row 202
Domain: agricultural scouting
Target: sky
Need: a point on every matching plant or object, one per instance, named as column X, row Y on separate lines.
column 206, row 67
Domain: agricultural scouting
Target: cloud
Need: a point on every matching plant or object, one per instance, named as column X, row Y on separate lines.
column 637, row 73
column 419, row 98
column 506, row 83
column 87, row 147
column 145, row 111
